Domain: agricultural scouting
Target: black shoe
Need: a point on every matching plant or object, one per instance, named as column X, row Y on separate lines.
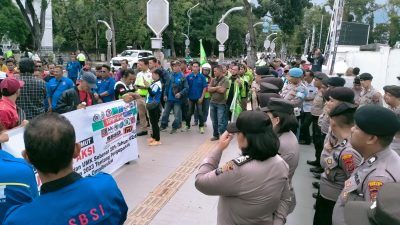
column 317, row 175
column 315, row 195
column 302, row 142
column 214, row 138
column 142, row 133
column 313, row 163
column 315, row 184
column 316, row 170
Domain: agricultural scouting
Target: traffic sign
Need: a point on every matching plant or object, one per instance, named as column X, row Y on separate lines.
column 275, row 28
column 158, row 15
column 222, row 33
column 108, row 34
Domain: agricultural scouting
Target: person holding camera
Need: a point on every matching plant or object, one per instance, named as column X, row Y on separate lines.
column 316, row 59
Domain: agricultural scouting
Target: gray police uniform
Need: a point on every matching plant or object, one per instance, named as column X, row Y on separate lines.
column 370, row 97
column 338, row 162
column 251, row 191
column 364, row 183
column 294, row 93
column 289, row 151
column 396, row 140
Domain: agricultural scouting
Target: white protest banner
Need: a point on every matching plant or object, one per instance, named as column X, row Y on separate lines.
column 106, row 132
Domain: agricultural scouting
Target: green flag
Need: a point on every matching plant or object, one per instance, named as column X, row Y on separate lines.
column 203, row 57
column 235, row 106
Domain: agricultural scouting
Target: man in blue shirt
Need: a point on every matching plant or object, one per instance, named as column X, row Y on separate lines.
column 17, row 182
column 175, row 90
column 197, row 89
column 56, row 86
column 66, row 197
column 73, row 68
column 105, row 86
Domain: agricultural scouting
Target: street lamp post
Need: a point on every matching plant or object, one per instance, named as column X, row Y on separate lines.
column 187, row 41
column 108, row 37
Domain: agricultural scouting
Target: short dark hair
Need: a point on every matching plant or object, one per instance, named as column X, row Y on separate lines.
column 159, row 72
column 262, row 146
column 51, row 63
column 59, row 67
column 153, row 59
column 309, row 71
column 106, row 66
column 356, row 71
column 145, row 61
column 287, row 122
column 26, row 65
column 10, row 60
column 125, row 60
column 219, row 67
column 126, row 73
column 385, row 141
column 98, row 67
column 195, row 62
column 50, row 142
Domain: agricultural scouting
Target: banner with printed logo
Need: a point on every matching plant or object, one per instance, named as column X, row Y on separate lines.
column 106, row 132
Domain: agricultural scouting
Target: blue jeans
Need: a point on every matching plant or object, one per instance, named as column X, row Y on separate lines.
column 177, row 114
column 218, row 118
column 206, row 109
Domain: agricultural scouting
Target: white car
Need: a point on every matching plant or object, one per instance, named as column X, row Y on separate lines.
column 132, row 56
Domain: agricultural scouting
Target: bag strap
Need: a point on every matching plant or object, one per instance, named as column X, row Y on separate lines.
column 54, row 90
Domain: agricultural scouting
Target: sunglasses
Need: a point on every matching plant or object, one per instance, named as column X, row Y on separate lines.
column 286, row 71
column 103, row 71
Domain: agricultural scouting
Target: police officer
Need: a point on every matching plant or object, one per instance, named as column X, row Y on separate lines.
column 384, row 211
column 253, row 188
column 17, row 182
column 295, row 91
column 66, row 197
column 392, row 99
column 369, row 95
column 338, row 163
column 371, row 136
column 281, row 113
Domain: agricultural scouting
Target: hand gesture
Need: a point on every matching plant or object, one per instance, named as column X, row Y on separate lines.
column 224, row 140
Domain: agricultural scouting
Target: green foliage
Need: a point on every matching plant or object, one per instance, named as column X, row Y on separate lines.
column 12, row 23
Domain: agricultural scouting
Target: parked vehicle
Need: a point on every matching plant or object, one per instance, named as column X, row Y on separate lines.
column 132, row 56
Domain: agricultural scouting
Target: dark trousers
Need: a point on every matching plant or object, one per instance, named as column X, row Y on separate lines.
column 323, row 211
column 195, row 104
column 154, row 118
column 306, row 120
column 318, row 138
column 185, row 112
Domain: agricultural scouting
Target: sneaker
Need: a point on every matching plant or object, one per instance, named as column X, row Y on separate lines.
column 143, row 133
column 185, row 129
column 173, row 131
column 201, row 130
column 155, row 143
column 214, row 139
column 195, row 124
column 163, row 129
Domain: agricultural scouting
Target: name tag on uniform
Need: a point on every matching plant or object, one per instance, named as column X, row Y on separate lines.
column 242, row 160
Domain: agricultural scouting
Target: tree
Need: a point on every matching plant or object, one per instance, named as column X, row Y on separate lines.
column 12, row 23
column 35, row 23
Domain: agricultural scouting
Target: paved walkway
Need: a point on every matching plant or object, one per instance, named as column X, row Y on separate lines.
column 159, row 186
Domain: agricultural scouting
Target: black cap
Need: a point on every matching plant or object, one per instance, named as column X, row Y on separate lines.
column 336, row 82
column 357, row 80
column 343, row 108
column 320, row 75
column 262, row 70
column 377, row 120
column 268, row 88
column 279, row 105
column 263, row 98
column 343, row 94
column 250, row 122
column 393, row 90
column 325, row 82
column 366, row 76
column 384, row 211
column 278, row 82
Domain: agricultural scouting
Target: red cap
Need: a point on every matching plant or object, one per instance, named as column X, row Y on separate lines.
column 11, row 84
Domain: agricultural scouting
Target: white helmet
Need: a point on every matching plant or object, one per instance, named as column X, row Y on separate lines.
column 206, row 66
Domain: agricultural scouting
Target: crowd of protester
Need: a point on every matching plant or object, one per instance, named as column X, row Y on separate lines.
column 287, row 104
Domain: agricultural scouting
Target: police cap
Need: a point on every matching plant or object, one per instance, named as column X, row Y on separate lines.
column 343, row 108
column 273, row 80
column 296, row 72
column 393, row 90
column 279, row 105
column 268, row 88
column 336, row 82
column 320, row 75
column 384, row 211
column 366, row 76
column 377, row 120
column 343, row 94
column 263, row 98
column 262, row 71
column 250, row 122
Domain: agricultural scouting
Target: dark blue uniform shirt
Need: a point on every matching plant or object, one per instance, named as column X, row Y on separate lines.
column 196, row 85
column 73, row 200
column 17, row 182
column 104, row 85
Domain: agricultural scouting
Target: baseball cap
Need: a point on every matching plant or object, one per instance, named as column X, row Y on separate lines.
column 250, row 122
column 90, row 78
column 11, row 84
column 384, row 211
column 296, row 72
column 279, row 105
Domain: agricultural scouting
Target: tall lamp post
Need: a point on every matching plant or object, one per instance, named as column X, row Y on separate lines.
column 187, row 41
column 108, row 37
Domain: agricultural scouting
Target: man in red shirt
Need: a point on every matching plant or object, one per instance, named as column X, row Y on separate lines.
column 10, row 89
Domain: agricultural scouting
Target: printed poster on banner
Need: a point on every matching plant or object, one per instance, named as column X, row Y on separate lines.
column 106, row 132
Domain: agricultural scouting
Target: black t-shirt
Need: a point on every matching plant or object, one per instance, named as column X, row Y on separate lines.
column 231, row 91
column 121, row 89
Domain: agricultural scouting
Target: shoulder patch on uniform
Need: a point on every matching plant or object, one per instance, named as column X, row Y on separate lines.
column 226, row 167
column 242, row 160
column 371, row 160
column 373, row 187
column 348, row 162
